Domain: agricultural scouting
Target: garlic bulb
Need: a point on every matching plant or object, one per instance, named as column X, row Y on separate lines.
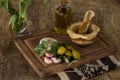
column 47, row 60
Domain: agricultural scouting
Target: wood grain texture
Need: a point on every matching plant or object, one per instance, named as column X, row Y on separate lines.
column 99, row 49
column 12, row 64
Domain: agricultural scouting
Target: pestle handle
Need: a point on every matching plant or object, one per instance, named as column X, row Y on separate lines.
column 86, row 22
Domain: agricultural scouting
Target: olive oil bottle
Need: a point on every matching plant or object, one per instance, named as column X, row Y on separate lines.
column 63, row 17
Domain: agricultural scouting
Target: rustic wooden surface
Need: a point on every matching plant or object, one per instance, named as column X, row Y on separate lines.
column 13, row 66
column 99, row 49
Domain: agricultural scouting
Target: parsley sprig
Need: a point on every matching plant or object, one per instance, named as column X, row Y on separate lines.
column 41, row 48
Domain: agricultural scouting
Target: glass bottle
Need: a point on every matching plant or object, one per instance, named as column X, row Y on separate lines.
column 63, row 17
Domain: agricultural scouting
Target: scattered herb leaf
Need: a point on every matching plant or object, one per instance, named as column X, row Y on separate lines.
column 40, row 49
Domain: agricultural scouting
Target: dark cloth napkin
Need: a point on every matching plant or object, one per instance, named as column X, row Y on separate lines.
column 92, row 69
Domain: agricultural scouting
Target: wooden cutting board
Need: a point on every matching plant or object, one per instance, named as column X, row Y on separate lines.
column 100, row 48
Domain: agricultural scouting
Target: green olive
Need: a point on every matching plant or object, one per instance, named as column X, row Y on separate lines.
column 61, row 50
column 75, row 54
column 68, row 53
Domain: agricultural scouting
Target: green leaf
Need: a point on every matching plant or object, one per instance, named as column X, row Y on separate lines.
column 40, row 49
column 27, row 2
column 24, row 15
column 41, row 53
column 23, row 5
column 36, row 49
column 8, row 6
column 54, row 47
column 44, row 45
column 1, row 3
column 21, row 9
column 13, row 21
column 20, row 24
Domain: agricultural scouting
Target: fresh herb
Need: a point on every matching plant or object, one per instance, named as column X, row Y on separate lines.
column 17, row 18
column 41, row 48
column 56, row 45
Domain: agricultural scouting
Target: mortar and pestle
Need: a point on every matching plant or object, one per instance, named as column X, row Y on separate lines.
column 84, row 33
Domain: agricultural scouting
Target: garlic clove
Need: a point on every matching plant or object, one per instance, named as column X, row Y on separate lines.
column 49, row 54
column 55, row 60
column 47, row 60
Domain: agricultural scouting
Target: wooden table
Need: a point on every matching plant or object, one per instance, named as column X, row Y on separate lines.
column 100, row 48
